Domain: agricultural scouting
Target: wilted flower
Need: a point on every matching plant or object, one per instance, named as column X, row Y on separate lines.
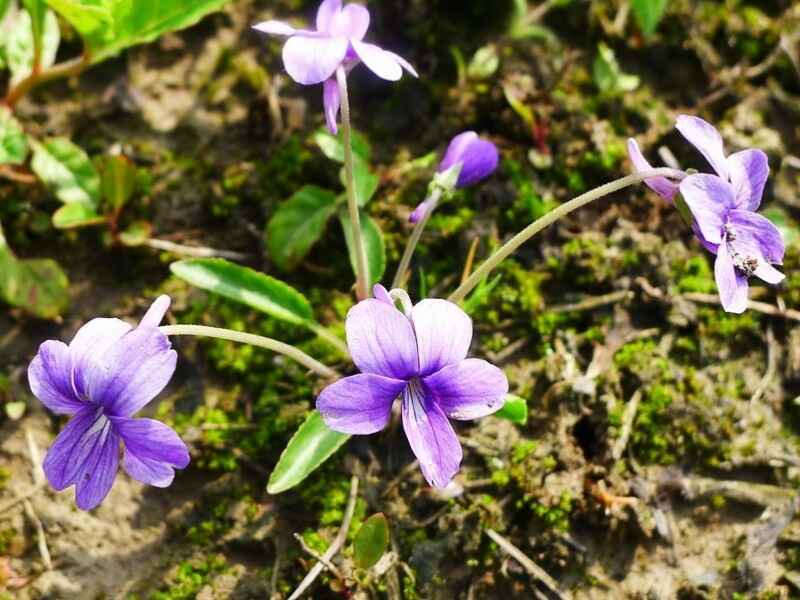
column 468, row 160
column 107, row 373
column 312, row 57
column 745, row 242
column 420, row 356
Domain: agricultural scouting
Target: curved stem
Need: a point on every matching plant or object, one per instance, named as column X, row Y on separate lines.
column 254, row 340
column 413, row 239
column 554, row 215
column 327, row 335
column 362, row 290
column 37, row 77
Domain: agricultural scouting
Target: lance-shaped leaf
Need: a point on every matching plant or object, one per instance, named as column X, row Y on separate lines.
column 648, row 14
column 247, row 286
column 118, row 180
column 312, row 444
column 38, row 286
column 76, row 214
column 298, row 224
column 515, row 410
column 13, row 142
column 371, row 541
column 21, row 45
column 66, row 170
column 374, row 246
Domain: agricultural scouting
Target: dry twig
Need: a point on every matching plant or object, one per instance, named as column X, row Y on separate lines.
column 531, row 567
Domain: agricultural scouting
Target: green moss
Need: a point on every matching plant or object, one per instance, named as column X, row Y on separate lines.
column 555, row 517
column 190, row 577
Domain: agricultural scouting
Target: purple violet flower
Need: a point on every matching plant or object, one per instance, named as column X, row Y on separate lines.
column 662, row 186
column 107, row 373
column 312, row 57
column 475, row 159
column 421, row 356
column 745, row 242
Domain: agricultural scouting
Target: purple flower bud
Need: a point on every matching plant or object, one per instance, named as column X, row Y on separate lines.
column 107, row 373
column 421, row 358
column 312, row 57
column 478, row 158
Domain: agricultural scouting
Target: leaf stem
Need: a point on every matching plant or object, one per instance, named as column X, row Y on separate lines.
column 362, row 284
column 254, row 340
column 413, row 239
column 65, row 69
column 554, row 215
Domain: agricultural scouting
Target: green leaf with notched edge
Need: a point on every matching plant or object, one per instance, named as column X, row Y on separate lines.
column 515, row 410
column 332, row 146
column 37, row 286
column 247, row 286
column 66, row 170
column 312, row 444
column 76, row 214
column 371, row 541
column 374, row 246
column 298, row 224
column 648, row 14
column 13, row 141
column 20, row 49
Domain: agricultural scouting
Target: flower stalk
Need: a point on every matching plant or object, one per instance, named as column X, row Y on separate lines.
column 554, row 215
column 362, row 283
column 414, row 238
column 254, row 340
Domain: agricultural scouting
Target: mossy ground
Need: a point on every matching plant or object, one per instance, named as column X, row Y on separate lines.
column 552, row 487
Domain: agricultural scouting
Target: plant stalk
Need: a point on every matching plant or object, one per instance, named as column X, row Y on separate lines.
column 413, row 239
column 554, row 215
column 362, row 290
column 254, row 340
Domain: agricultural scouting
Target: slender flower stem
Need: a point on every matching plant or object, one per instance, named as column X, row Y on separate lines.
column 362, row 290
column 554, row 215
column 330, row 337
column 254, row 340
column 413, row 239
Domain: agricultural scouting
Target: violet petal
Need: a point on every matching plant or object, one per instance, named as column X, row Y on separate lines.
column 443, row 332
column 431, row 437
column 660, row 185
column 731, row 283
column 381, row 340
column 326, row 13
column 470, row 389
column 152, row 450
column 377, row 60
column 709, row 198
column 275, row 28
column 132, row 372
column 50, row 378
column 351, row 22
column 704, row 136
column 749, row 170
column 360, row 404
column 762, row 231
column 93, row 341
column 332, row 101
column 155, row 314
column 312, row 60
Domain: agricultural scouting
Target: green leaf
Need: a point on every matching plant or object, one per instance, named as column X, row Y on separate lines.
column 515, row 410
column 37, row 286
column 136, row 234
column 247, row 286
column 37, row 10
column 13, row 142
column 648, row 14
column 484, row 63
column 76, row 214
column 373, row 244
column 66, row 170
column 332, row 146
column 371, row 541
column 608, row 76
column 311, row 445
column 298, row 224
column 366, row 183
column 481, row 293
column 20, row 48
column 110, row 26
column 118, row 179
